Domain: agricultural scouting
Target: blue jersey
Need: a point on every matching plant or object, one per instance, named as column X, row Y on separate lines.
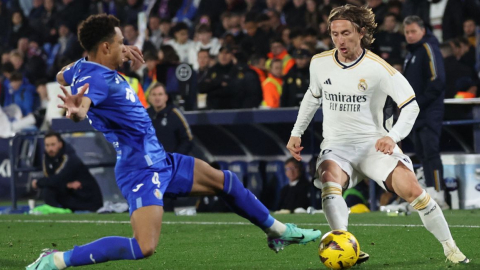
column 118, row 114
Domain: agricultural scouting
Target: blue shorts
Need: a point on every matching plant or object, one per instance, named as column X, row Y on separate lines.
column 171, row 177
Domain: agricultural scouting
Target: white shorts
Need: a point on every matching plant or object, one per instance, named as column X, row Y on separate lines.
column 362, row 161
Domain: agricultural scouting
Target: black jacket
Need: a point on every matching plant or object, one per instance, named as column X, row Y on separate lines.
column 424, row 70
column 218, row 87
column 248, row 91
column 296, row 196
column 295, row 84
column 67, row 167
column 172, row 129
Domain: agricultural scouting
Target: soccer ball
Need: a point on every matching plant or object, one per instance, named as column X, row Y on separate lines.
column 339, row 250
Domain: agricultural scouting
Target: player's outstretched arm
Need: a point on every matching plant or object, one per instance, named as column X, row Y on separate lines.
column 77, row 105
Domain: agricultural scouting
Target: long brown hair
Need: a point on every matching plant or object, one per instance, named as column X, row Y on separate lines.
column 362, row 18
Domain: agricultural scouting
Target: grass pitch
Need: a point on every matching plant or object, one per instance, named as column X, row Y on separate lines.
column 225, row 241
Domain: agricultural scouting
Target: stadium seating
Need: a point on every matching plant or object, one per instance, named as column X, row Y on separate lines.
column 240, row 169
column 255, row 177
column 274, row 181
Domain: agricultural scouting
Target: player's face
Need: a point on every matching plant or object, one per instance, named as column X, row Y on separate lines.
column 52, row 146
column 346, row 38
column 158, row 98
column 292, row 171
column 117, row 48
column 414, row 33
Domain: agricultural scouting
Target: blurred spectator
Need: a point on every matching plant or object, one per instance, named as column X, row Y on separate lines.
column 278, row 51
column 467, row 52
column 389, row 43
column 255, row 6
column 156, row 36
column 180, row 42
column 19, row 28
column 17, row 60
column 165, row 9
column 272, row 86
column 257, row 63
column 130, row 33
column 379, row 8
column 205, row 42
column 424, row 70
column 420, row 8
column 454, row 72
column 67, row 182
column 285, row 37
column 256, row 40
column 166, row 69
column 67, row 49
column 295, row 13
column 275, row 21
column 295, row 194
column 297, row 38
column 72, row 12
column 150, row 71
column 469, row 31
column 47, row 26
column 217, row 82
column 20, row 93
column 35, row 65
column 312, row 14
column 247, row 84
column 129, row 14
column 35, row 14
column 233, row 27
column 395, row 7
column 186, row 12
column 170, row 125
column 297, row 80
column 455, row 14
column 203, row 62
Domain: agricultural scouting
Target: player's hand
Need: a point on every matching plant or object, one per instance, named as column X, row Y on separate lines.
column 72, row 103
column 74, row 185
column 134, row 54
column 294, row 147
column 385, row 145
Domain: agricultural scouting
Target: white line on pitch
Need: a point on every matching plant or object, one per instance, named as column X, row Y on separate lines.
column 216, row 223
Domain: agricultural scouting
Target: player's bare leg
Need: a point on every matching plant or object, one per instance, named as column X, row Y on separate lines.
column 403, row 182
column 334, row 206
column 210, row 181
column 147, row 224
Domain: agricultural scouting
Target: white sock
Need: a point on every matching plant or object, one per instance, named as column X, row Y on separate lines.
column 58, row 260
column 277, row 229
column 334, row 206
column 433, row 219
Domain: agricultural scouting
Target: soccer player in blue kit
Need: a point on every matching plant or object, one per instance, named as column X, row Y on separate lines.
column 144, row 172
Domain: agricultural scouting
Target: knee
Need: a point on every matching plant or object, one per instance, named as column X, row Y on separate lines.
column 327, row 176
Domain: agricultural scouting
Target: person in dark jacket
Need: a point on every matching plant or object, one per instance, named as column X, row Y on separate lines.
column 218, row 82
column 67, row 182
column 246, row 81
column 424, row 70
column 297, row 80
column 171, row 127
column 295, row 194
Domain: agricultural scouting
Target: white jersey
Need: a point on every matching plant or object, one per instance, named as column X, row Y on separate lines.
column 356, row 103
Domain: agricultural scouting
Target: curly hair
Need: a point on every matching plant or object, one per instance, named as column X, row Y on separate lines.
column 96, row 29
column 362, row 18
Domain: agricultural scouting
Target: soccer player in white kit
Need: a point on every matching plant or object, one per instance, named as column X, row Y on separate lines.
column 356, row 88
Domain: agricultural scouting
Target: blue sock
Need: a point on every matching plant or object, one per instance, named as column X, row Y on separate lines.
column 102, row 250
column 244, row 203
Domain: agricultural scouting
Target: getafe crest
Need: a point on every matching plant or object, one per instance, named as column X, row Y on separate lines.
column 362, row 85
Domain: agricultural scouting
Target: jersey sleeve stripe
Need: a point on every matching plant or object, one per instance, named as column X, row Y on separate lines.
column 323, row 54
column 184, row 122
column 406, row 102
column 386, row 65
column 431, row 56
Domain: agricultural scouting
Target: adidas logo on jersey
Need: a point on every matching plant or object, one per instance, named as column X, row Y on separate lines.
column 328, row 82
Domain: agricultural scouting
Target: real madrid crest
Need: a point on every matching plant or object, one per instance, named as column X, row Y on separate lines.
column 362, row 85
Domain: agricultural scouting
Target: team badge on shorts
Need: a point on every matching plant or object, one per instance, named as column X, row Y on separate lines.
column 158, row 194
column 362, row 85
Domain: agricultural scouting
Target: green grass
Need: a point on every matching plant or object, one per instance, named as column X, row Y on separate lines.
column 241, row 246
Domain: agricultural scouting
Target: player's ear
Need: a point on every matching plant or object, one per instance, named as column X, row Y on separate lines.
column 105, row 46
